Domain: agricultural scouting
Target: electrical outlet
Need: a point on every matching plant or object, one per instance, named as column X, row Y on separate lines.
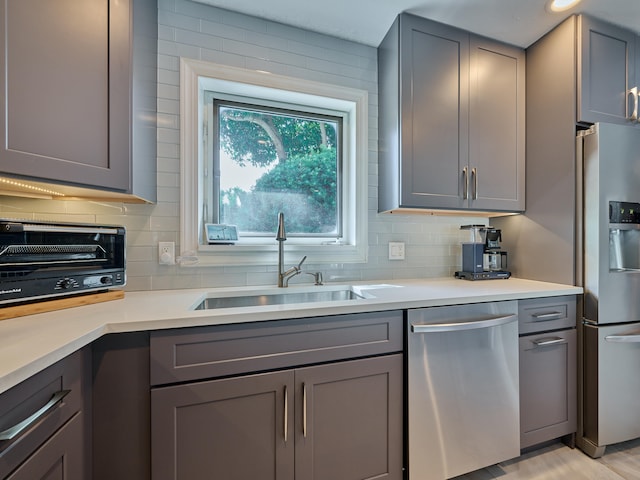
column 166, row 253
column 396, row 250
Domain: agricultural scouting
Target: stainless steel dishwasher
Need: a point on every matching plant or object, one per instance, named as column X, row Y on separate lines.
column 463, row 401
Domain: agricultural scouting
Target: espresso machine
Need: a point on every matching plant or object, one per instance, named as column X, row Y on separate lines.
column 482, row 257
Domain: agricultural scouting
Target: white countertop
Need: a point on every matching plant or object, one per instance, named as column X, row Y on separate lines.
column 30, row 344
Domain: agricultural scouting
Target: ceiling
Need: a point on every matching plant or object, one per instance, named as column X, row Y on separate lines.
column 519, row 22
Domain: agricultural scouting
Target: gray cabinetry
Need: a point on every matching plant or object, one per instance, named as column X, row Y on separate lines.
column 43, row 423
column 341, row 419
column 548, row 375
column 239, row 428
column 450, row 137
column 80, row 84
column 607, row 72
column 60, row 458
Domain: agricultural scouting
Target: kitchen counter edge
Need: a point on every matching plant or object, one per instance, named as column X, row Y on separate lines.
column 32, row 343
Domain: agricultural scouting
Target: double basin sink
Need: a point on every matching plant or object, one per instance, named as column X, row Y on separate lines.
column 280, row 297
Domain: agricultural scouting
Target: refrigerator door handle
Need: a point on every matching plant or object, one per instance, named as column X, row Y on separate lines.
column 457, row 326
column 631, row 338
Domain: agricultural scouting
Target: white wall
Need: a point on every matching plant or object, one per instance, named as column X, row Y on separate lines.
column 199, row 31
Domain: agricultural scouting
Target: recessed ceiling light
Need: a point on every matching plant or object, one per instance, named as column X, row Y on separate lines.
column 561, row 5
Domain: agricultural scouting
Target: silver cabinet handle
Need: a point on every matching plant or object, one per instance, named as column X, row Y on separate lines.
column 465, row 183
column 286, row 414
column 468, row 325
column 545, row 317
column 633, row 338
column 545, row 342
column 474, row 177
column 12, row 432
column 304, row 410
column 633, row 93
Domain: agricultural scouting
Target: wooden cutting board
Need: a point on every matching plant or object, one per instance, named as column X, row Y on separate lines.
column 59, row 304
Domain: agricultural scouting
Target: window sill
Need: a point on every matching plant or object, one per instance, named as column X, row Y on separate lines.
column 243, row 255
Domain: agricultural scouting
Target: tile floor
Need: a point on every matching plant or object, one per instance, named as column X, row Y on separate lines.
column 557, row 461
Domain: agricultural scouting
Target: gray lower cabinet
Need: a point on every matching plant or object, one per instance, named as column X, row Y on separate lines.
column 53, row 442
column 79, row 93
column 548, row 369
column 60, row 458
column 305, row 399
column 239, row 428
column 452, row 119
column 340, row 420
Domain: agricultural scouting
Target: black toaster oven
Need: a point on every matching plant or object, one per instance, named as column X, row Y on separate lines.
column 45, row 259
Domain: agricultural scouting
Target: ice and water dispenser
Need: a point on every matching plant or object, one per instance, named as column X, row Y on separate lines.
column 624, row 236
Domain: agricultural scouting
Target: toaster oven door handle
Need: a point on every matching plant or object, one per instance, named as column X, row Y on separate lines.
column 68, row 229
column 17, row 227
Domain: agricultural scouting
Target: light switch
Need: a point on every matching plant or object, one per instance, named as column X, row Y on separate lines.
column 396, row 250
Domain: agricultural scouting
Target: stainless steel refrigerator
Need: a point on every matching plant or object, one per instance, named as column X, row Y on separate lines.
column 608, row 267
column 582, row 226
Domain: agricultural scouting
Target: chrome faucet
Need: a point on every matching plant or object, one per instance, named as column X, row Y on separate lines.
column 284, row 276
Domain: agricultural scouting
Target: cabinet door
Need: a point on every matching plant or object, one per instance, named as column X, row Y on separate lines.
column 547, row 386
column 497, row 126
column 349, row 420
column 434, row 89
column 56, row 114
column 60, row 458
column 606, row 69
column 239, row 428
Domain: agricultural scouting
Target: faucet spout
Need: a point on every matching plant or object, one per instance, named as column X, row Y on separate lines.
column 281, row 234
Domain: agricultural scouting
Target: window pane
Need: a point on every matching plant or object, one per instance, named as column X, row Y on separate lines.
column 274, row 161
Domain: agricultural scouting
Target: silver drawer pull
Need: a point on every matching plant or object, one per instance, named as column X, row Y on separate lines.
column 304, row 410
column 545, row 317
column 545, row 342
column 286, row 414
column 12, row 432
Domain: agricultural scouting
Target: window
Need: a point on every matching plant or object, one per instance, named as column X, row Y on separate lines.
column 254, row 144
column 266, row 160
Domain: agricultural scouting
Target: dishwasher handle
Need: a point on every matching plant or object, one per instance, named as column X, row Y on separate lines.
column 466, row 325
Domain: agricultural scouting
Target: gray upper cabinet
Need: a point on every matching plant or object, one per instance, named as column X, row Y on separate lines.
column 80, row 83
column 451, row 119
column 606, row 72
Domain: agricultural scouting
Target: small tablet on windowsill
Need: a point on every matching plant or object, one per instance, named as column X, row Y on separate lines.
column 219, row 234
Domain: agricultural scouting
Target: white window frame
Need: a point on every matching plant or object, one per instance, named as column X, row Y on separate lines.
column 195, row 77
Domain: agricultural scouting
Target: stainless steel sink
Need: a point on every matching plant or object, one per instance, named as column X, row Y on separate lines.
column 280, row 298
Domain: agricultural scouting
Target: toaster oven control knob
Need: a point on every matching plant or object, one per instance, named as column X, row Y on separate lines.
column 106, row 280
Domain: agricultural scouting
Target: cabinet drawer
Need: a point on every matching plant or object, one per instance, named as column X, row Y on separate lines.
column 31, row 396
column 196, row 353
column 549, row 313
